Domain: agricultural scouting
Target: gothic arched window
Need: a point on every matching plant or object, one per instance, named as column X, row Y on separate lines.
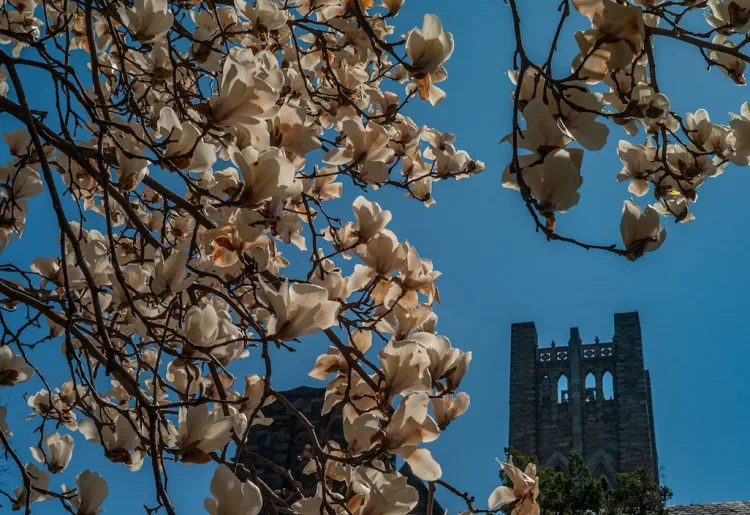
column 590, row 387
column 562, row 389
column 608, row 386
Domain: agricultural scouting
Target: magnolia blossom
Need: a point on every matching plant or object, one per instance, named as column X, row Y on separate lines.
column 641, row 230
column 638, row 164
column 447, row 408
column 91, row 490
column 119, row 440
column 266, row 176
column 254, row 390
column 60, row 452
column 299, row 309
column 542, row 134
column 242, row 97
column 409, row 427
column 524, row 492
column 554, row 183
column 371, row 219
column 365, row 144
column 733, row 67
column 25, row 182
column 729, row 15
column 428, row 49
column 132, row 167
column 201, row 432
column 202, row 325
column 393, row 6
column 615, row 39
column 149, row 20
column 382, row 492
column 231, row 496
column 186, row 147
column 13, row 368
column 265, row 15
column 170, row 274
column 38, row 479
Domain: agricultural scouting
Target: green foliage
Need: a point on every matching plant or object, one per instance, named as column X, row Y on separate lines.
column 577, row 493
column 638, row 494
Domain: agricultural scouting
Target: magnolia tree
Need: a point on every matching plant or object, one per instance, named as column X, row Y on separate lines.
column 191, row 142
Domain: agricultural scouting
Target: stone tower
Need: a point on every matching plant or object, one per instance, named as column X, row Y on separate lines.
column 558, row 401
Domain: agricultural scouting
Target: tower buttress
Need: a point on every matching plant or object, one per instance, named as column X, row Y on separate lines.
column 577, row 391
column 633, row 396
column 523, row 388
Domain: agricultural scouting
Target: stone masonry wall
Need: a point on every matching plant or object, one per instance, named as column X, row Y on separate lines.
column 614, row 434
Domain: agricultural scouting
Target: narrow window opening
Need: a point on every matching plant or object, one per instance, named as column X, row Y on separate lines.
column 608, row 386
column 562, row 389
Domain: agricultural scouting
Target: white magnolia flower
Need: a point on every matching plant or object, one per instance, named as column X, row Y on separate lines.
column 641, row 230
column 299, row 309
column 542, row 135
column 383, row 492
column 524, row 492
column 186, row 147
column 231, row 496
column 170, row 274
column 556, row 181
column 371, row 219
column 91, row 490
column 265, row 15
column 731, row 66
column 364, row 144
column 700, row 128
column 242, row 98
column 201, row 432
column 266, row 176
column 38, row 479
column 637, row 162
column 120, row 439
column 617, row 32
column 409, row 427
column 149, row 20
column 393, row 6
column 202, row 325
column 132, row 166
column 446, row 363
column 428, row 49
column 254, row 388
column 729, row 15
column 18, row 142
column 405, row 365
column 333, row 361
column 447, row 408
column 13, row 368
column 26, row 183
column 60, row 452
column 383, row 255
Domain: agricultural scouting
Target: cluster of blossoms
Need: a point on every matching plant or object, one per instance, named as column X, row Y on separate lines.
column 613, row 78
column 197, row 142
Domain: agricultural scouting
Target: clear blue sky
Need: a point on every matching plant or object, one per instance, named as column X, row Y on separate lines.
column 691, row 294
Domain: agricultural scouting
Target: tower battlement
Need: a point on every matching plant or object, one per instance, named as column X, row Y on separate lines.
column 594, row 398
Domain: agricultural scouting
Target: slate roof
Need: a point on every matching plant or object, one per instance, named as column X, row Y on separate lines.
column 716, row 508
